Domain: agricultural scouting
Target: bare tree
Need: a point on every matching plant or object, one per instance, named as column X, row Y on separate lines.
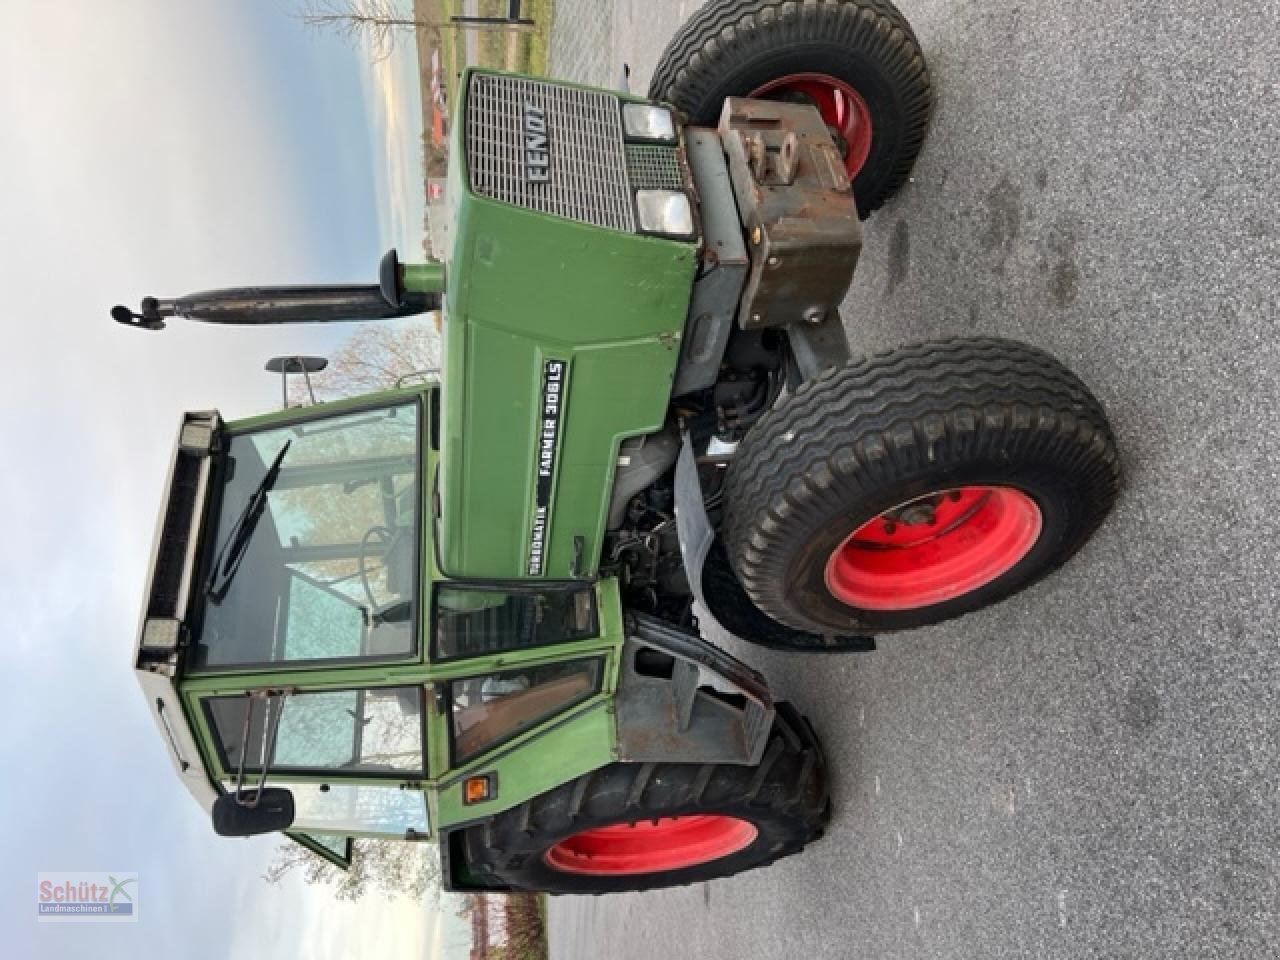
column 507, row 927
column 378, row 357
column 376, row 23
column 387, row 867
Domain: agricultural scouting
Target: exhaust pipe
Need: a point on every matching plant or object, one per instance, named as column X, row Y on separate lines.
column 254, row 306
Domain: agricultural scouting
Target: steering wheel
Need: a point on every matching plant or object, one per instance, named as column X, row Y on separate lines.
column 387, row 537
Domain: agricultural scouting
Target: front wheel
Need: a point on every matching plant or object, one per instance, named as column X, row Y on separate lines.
column 857, row 61
column 639, row 826
column 917, row 485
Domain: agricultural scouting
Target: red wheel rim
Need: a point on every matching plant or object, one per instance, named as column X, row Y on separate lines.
column 651, row 846
column 934, row 548
column 841, row 106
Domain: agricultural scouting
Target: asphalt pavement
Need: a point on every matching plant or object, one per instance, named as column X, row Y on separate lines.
column 1091, row 768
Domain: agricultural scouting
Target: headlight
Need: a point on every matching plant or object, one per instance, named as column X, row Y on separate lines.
column 644, row 121
column 664, row 211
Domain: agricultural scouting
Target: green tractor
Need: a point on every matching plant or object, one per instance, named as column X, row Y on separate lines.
column 476, row 611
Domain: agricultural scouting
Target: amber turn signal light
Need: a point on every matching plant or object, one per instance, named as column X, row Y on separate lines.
column 479, row 789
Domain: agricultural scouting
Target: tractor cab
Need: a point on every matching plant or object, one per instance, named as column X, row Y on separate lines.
column 310, row 667
column 302, row 619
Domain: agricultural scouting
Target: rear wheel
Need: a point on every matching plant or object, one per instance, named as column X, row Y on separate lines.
column 857, row 61
column 917, row 485
column 637, row 826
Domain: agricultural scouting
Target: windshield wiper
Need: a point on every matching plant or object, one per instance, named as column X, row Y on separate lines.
column 234, row 548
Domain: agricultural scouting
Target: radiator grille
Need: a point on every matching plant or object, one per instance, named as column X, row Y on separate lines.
column 588, row 165
column 653, row 167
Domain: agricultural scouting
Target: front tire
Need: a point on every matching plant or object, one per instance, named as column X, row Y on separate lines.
column 917, row 485
column 639, row 826
column 858, row 61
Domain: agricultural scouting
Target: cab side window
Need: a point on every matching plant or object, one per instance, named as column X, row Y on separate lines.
column 372, row 732
column 472, row 622
column 489, row 709
column 329, row 573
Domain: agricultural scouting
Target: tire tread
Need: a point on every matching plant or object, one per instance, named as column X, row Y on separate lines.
column 723, row 32
column 788, row 787
column 851, row 431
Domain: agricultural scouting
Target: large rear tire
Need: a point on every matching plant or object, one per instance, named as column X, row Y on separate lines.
column 638, row 826
column 917, row 485
column 858, row 61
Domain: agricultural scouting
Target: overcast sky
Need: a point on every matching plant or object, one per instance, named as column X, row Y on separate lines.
column 158, row 147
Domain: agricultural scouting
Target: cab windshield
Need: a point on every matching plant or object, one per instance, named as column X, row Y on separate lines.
column 314, row 554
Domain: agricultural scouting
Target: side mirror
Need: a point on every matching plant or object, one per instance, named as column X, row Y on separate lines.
column 303, row 365
column 271, row 811
column 296, row 364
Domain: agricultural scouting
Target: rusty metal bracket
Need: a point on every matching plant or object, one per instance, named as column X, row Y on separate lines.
column 803, row 232
column 680, row 699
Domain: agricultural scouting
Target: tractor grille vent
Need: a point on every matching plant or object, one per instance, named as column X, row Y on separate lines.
column 586, row 166
column 653, row 167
